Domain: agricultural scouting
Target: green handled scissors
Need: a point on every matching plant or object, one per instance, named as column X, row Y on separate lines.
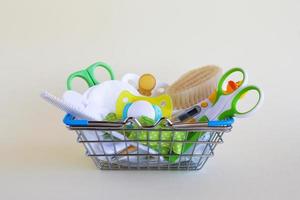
column 226, row 101
column 88, row 74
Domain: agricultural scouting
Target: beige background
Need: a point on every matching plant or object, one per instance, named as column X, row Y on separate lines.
column 41, row 42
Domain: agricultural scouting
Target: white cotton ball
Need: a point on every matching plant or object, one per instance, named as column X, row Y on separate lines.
column 140, row 108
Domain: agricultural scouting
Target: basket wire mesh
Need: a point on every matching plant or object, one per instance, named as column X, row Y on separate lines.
column 108, row 146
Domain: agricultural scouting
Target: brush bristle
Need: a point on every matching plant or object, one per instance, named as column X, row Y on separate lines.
column 67, row 107
column 194, row 86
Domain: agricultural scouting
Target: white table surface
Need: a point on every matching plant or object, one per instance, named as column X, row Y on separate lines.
column 42, row 42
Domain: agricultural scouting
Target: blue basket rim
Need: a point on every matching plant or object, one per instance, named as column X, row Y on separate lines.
column 70, row 120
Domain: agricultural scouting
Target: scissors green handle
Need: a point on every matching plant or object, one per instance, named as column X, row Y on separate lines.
column 232, row 110
column 88, row 74
column 226, row 102
column 223, row 80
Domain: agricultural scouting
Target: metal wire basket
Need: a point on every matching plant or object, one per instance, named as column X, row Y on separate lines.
column 163, row 146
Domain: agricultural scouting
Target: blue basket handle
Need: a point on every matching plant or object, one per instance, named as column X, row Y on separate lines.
column 69, row 120
column 226, row 122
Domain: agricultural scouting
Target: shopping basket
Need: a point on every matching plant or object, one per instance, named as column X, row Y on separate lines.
column 159, row 149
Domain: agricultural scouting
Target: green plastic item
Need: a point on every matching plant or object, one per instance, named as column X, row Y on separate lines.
column 88, row 74
column 233, row 111
column 111, row 117
column 192, row 137
column 221, row 82
column 161, row 147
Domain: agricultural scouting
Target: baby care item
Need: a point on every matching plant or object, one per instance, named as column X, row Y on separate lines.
column 146, row 84
column 100, row 99
column 99, row 96
column 186, row 115
column 74, row 98
column 194, row 86
column 105, row 95
column 70, row 107
column 130, row 105
column 81, row 101
column 88, row 74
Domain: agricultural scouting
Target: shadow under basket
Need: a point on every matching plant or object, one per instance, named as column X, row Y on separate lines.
column 127, row 145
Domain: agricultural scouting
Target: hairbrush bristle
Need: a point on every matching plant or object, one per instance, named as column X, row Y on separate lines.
column 194, row 86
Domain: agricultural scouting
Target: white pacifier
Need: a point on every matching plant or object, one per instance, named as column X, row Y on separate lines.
column 141, row 108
